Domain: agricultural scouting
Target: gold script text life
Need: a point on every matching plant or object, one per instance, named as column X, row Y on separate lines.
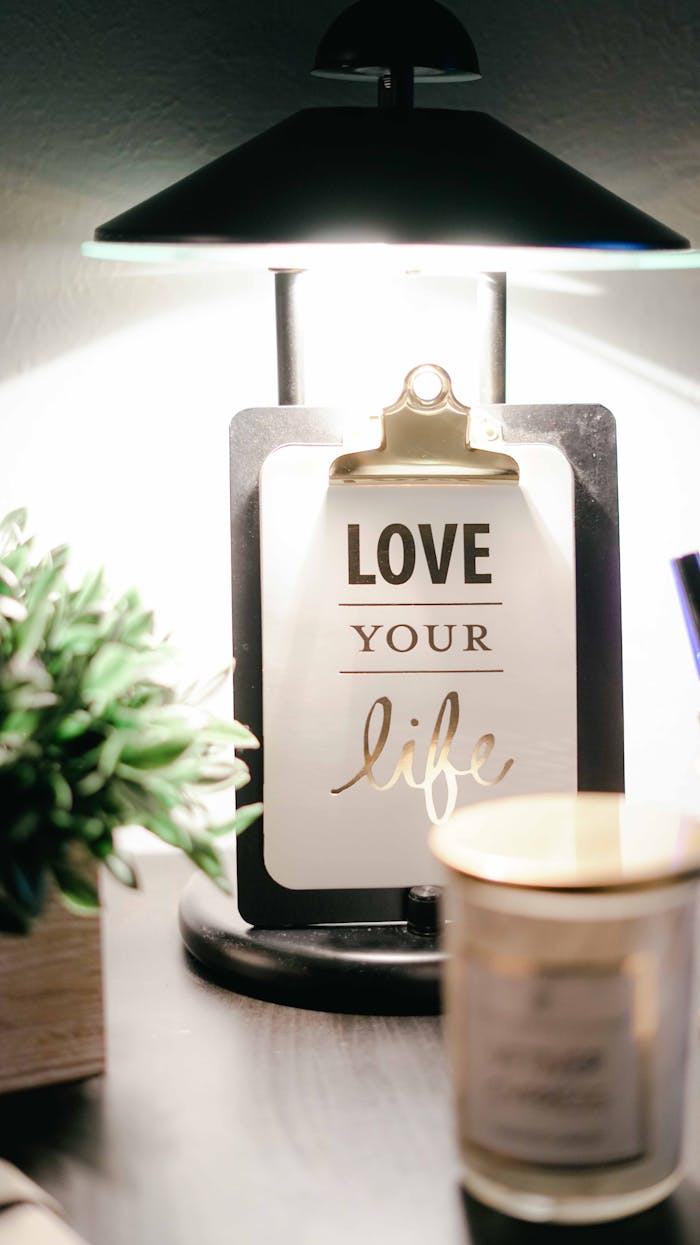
column 438, row 764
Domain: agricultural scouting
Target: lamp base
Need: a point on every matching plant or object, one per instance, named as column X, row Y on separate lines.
column 381, row 970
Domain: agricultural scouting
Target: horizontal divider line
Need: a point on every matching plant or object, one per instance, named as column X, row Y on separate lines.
column 475, row 671
column 421, row 604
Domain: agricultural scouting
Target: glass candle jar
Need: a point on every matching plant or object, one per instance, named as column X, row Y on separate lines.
column 570, row 937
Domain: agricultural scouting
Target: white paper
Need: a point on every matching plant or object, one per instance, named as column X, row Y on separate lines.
column 354, row 690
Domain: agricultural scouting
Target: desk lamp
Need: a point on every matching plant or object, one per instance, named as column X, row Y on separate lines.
column 402, row 189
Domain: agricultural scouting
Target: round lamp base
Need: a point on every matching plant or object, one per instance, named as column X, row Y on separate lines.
column 370, row 969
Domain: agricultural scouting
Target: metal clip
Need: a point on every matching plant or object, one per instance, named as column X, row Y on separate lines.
column 425, row 441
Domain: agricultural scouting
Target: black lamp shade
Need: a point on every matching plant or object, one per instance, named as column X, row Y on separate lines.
column 430, row 176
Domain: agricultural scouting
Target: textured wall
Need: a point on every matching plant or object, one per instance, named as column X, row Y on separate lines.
column 116, row 386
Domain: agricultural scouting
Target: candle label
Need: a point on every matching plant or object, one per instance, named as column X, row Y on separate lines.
column 553, row 1073
column 419, row 653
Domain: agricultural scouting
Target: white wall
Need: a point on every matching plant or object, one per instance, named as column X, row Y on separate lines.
column 117, row 386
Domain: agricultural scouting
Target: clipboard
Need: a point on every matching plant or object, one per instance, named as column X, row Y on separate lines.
column 292, row 459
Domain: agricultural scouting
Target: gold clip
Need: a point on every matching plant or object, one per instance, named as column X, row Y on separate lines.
column 425, row 441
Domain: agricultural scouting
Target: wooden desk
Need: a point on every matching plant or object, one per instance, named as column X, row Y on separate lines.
column 224, row 1120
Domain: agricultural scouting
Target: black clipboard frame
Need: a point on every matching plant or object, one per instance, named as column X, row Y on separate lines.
column 586, row 435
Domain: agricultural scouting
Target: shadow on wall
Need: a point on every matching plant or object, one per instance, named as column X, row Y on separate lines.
column 105, row 106
column 650, row 318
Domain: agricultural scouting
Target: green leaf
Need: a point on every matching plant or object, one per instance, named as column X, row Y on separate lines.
column 78, row 892
column 156, row 755
column 169, row 831
column 246, row 816
column 112, row 671
column 29, row 698
column 80, row 638
column 21, row 669
column 12, row 609
column 214, row 782
column 241, row 774
column 199, row 692
column 129, row 601
column 17, row 726
column 221, row 881
column 27, row 882
column 91, row 783
column 33, row 628
column 235, row 733
column 8, row 577
column 134, row 799
column 74, row 725
column 63, row 796
column 12, row 529
column 59, row 556
column 148, row 789
column 121, row 870
column 206, row 858
column 14, row 520
column 92, row 829
column 40, row 587
column 110, row 752
column 137, row 628
column 24, row 826
column 17, row 558
column 89, row 593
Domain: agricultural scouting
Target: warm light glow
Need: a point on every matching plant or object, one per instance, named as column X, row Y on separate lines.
column 204, row 348
column 384, row 257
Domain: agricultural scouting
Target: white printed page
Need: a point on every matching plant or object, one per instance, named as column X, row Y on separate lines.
column 419, row 653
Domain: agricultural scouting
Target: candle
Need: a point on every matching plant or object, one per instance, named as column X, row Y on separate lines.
column 570, row 939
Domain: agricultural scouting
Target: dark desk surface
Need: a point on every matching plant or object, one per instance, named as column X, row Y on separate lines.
column 222, row 1119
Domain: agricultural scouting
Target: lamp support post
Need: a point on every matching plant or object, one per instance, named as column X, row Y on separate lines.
column 491, row 307
column 491, row 301
column 396, row 89
column 290, row 343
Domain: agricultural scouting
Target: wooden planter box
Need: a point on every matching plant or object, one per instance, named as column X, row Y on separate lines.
column 51, row 1005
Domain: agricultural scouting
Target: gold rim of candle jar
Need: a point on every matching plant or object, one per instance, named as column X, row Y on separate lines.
column 592, row 855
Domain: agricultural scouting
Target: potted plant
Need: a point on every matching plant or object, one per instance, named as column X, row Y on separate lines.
column 92, row 737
